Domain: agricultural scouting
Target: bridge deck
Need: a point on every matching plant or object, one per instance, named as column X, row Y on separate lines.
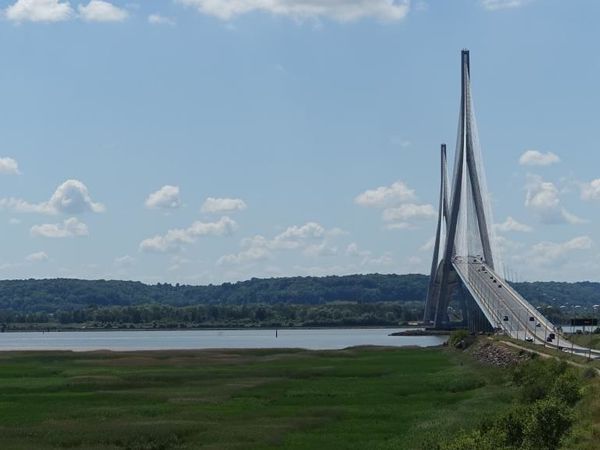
column 507, row 310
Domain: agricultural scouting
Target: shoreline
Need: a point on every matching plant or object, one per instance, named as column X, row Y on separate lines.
column 348, row 327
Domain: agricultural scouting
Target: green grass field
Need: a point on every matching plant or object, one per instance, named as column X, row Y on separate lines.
column 361, row 398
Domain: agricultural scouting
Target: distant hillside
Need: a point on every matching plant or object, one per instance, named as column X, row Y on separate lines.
column 53, row 295
column 70, row 294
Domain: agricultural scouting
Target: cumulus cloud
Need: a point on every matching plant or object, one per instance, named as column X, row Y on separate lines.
column 101, row 11
column 354, row 251
column 591, row 190
column 176, row 239
column 9, row 166
column 366, row 256
column 542, row 198
column 71, row 197
column 37, row 257
column 511, row 224
column 535, row 158
column 68, row 228
column 39, row 11
column 157, row 19
column 397, row 201
column 340, row 10
column 494, row 5
column 320, row 249
column 295, row 235
column 404, row 214
column 223, row 205
column 124, row 261
column 545, row 253
column 245, row 256
column 167, row 197
column 385, row 196
column 310, row 238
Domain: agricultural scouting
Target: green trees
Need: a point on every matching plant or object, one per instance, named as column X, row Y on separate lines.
column 378, row 299
column 545, row 423
column 544, row 415
column 27, row 296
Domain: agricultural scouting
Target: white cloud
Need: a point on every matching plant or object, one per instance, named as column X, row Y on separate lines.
column 511, row 224
column 295, row 236
column 542, row 198
column 9, row 166
column 68, row 228
column 157, row 19
column 249, row 255
column 223, row 205
column 340, row 10
column 321, row 249
column 591, row 190
column 39, row 11
column 494, row 5
column 14, row 221
column 175, row 239
column 535, row 158
column 101, row 11
column 71, row 197
column 37, row 257
column 398, row 226
column 124, row 261
column 546, row 253
column 409, row 212
column 386, row 196
column 366, row 257
column 167, row 197
column 353, row 250
column 309, row 237
column 398, row 201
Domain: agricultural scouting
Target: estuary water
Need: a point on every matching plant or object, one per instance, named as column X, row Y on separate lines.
column 312, row 339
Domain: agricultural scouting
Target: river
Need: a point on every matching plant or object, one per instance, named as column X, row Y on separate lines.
column 312, row 339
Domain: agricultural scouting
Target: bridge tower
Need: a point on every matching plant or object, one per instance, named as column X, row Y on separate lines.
column 464, row 217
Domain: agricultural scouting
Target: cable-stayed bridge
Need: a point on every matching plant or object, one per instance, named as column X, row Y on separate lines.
column 465, row 264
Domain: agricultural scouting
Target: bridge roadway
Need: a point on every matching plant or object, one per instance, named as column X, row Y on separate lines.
column 508, row 311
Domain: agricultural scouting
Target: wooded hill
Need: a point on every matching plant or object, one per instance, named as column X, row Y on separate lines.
column 52, row 295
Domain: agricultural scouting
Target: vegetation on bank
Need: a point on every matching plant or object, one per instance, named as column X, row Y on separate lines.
column 542, row 416
column 211, row 316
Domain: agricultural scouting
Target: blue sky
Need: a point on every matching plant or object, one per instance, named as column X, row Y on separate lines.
column 199, row 141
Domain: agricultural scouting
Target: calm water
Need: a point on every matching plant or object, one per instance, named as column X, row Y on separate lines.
column 321, row 339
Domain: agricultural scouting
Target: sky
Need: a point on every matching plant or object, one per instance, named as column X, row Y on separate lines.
column 204, row 141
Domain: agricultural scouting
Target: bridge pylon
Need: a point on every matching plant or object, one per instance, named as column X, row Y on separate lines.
column 464, row 215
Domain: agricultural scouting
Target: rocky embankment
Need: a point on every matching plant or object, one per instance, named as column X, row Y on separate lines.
column 495, row 354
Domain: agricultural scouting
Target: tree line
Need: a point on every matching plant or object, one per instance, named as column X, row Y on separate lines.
column 206, row 316
column 299, row 301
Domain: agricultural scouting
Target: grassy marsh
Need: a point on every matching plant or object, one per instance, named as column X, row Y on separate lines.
column 239, row 399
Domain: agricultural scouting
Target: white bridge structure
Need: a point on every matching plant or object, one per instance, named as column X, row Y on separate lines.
column 465, row 264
